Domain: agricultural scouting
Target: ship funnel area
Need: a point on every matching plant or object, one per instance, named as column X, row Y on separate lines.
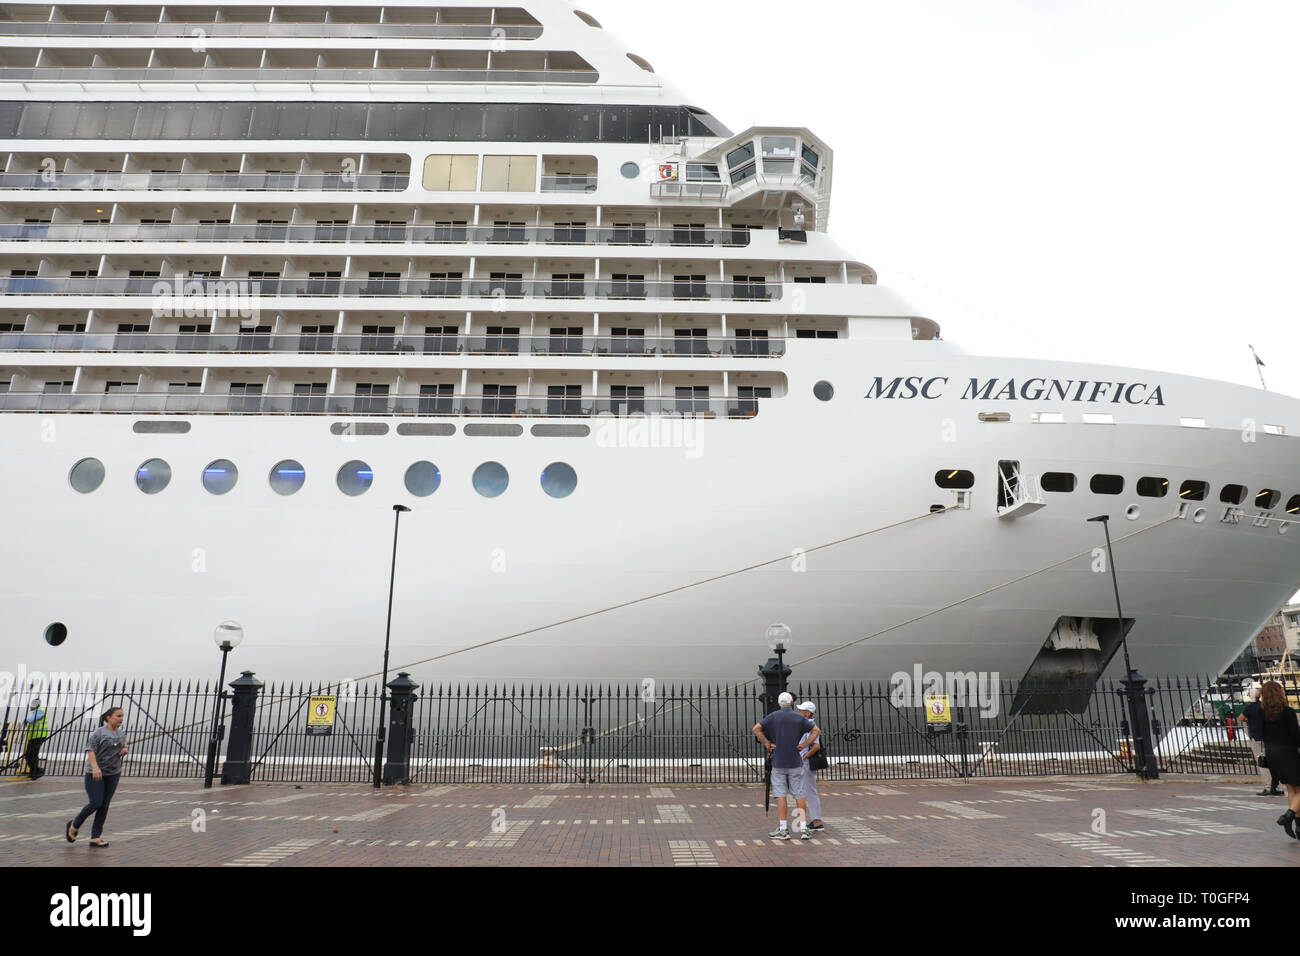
column 1062, row 677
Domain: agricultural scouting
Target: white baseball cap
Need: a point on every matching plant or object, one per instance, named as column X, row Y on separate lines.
column 808, row 706
column 785, row 700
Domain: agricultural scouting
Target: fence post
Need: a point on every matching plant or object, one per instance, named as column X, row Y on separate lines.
column 243, row 715
column 401, row 724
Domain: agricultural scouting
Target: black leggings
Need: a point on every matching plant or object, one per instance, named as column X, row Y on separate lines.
column 101, row 794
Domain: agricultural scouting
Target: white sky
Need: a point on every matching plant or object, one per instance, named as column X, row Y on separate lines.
column 1104, row 180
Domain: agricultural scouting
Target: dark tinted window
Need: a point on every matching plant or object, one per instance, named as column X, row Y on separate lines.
column 1267, row 499
column 1293, row 506
column 954, row 478
column 1058, row 481
column 1194, row 490
column 1153, row 487
column 1233, row 494
column 1107, row 484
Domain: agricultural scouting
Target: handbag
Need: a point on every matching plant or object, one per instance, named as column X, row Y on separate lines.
column 1262, row 760
column 819, row 761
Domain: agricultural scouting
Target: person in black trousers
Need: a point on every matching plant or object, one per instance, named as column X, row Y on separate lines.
column 1282, row 750
column 1252, row 719
column 104, row 752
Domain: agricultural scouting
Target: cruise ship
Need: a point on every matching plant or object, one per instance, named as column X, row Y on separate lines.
column 270, row 270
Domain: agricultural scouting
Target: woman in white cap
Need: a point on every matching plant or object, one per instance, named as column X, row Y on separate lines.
column 806, row 750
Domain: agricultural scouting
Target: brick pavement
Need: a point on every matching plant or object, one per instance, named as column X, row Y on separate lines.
column 1177, row 821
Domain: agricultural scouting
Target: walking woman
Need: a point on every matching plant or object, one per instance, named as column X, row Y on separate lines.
column 1282, row 750
column 104, row 752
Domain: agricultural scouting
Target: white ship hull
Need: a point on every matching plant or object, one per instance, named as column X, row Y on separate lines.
column 140, row 581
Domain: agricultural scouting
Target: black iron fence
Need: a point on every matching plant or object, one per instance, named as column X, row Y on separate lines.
column 637, row 734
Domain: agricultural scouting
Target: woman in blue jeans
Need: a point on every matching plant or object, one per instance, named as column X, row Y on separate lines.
column 104, row 752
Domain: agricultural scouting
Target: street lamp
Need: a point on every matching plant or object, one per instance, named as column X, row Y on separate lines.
column 1134, row 683
column 398, row 511
column 228, row 635
column 774, row 672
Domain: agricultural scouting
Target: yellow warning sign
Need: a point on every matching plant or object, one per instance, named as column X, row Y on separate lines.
column 937, row 709
column 320, row 716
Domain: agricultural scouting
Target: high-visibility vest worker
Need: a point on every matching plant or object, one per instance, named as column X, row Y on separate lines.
column 38, row 725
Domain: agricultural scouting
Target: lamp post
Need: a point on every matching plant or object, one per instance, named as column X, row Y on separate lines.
column 774, row 672
column 398, row 510
column 1134, row 683
column 228, row 635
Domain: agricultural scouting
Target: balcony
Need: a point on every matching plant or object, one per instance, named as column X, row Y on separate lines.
column 255, row 182
column 568, row 184
column 447, row 31
column 78, row 74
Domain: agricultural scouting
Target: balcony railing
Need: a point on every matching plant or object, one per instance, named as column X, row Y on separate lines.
column 365, row 232
column 568, row 184
column 449, row 31
column 465, row 406
column 264, row 182
column 114, row 74
column 328, row 343
column 244, row 287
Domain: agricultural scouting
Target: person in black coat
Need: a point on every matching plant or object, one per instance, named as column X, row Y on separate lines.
column 1282, row 750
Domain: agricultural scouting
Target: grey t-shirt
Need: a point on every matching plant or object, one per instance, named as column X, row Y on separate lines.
column 784, row 728
column 106, row 744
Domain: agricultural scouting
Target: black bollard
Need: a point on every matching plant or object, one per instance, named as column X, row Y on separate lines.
column 1144, row 753
column 775, row 674
column 243, row 713
column 401, row 728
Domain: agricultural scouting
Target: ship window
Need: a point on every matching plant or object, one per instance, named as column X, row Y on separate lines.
column 56, row 634
column 1107, row 484
column 220, row 476
column 153, row 476
column 1293, row 506
column 587, row 18
column 1193, row 490
column 1267, row 499
column 1059, row 481
column 824, row 391
column 287, row 477
column 86, row 475
column 1233, row 494
column 641, row 62
column 1153, row 487
column 630, row 170
column 355, row 478
column 491, row 479
column 703, row 173
column 423, row 479
column 559, row 480
column 513, row 174
column 954, row 478
column 444, row 173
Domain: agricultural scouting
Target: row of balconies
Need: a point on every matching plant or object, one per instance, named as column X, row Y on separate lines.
column 283, row 181
column 60, row 17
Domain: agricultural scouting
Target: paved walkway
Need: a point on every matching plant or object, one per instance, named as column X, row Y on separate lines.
column 1177, row 821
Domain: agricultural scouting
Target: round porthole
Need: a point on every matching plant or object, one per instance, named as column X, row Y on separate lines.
column 220, row 476
column 287, row 477
column 1199, row 515
column 1133, row 512
column 56, row 634
column 423, row 479
column 153, row 476
column 559, row 480
column 824, row 391
column 86, row 475
column 630, row 170
column 355, row 478
column 491, row 479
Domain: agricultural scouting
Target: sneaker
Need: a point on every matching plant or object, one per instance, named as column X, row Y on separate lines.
column 816, row 826
column 780, row 834
column 806, row 834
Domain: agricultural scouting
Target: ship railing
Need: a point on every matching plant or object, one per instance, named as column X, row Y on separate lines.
column 430, row 343
column 184, row 181
column 391, row 406
column 300, row 286
column 569, row 184
column 448, row 31
column 23, row 74
column 362, row 232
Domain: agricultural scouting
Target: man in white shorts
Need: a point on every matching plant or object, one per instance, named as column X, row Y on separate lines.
column 780, row 732
column 807, row 748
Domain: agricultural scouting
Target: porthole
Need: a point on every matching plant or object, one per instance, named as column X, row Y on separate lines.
column 287, row 477
column 1233, row 494
column 423, row 479
column 1267, row 499
column 630, row 170
column 1193, row 490
column 86, row 475
column 1133, row 512
column 56, row 634
column 1058, row 481
column 1153, row 487
column 1293, row 506
column 491, row 479
column 824, row 391
column 559, row 480
column 1107, row 484
column 153, row 476
column 355, row 478
column 954, row 478
column 220, row 476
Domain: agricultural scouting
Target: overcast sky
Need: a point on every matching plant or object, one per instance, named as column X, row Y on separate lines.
column 1107, row 181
